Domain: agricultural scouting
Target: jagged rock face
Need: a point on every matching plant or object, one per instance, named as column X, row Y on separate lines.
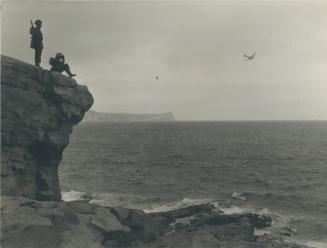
column 38, row 111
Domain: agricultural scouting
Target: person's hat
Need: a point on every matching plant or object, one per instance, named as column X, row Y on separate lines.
column 59, row 55
column 38, row 22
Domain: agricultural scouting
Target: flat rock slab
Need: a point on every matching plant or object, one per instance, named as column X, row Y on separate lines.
column 81, row 207
column 143, row 226
column 172, row 215
column 106, row 222
column 259, row 221
column 34, row 236
column 121, row 213
column 62, row 80
column 27, row 223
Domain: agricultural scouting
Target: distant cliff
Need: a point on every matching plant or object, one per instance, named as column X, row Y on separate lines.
column 93, row 116
column 38, row 111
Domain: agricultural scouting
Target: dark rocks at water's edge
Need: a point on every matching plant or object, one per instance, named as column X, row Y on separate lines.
column 51, row 224
column 38, row 111
column 93, row 116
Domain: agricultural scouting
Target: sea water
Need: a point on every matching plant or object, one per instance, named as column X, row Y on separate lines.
column 277, row 168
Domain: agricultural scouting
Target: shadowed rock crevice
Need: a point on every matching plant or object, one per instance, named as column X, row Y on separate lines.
column 38, row 111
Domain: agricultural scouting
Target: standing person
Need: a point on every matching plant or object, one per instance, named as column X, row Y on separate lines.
column 37, row 40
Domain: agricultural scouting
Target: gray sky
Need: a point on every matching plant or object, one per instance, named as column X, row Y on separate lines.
column 118, row 48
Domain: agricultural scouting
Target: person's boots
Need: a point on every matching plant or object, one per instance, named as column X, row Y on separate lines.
column 70, row 74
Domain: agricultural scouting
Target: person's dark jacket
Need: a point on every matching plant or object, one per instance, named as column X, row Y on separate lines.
column 37, row 38
column 56, row 63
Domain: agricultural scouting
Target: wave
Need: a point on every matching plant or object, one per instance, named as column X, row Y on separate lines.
column 182, row 203
column 286, row 204
column 315, row 244
column 294, row 228
column 75, row 196
column 239, row 196
column 157, row 204
column 148, row 205
column 297, row 219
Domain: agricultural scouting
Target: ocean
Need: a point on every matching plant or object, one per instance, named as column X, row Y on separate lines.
column 276, row 168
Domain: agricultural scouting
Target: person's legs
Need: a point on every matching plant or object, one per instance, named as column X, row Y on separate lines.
column 38, row 53
column 67, row 70
column 59, row 69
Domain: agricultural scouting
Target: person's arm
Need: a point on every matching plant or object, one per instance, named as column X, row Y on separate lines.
column 32, row 29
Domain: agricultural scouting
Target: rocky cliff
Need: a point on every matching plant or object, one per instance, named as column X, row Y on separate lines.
column 38, row 111
column 93, row 116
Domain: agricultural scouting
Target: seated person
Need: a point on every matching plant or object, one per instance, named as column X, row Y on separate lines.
column 58, row 64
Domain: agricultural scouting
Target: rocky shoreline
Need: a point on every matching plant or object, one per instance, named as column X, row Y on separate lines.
column 32, row 223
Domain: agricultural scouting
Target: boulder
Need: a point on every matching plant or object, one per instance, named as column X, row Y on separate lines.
column 243, row 231
column 204, row 236
column 32, row 224
column 121, row 213
column 106, row 222
column 33, row 236
column 142, row 225
column 258, row 221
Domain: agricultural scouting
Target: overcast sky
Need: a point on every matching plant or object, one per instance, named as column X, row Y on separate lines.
column 195, row 48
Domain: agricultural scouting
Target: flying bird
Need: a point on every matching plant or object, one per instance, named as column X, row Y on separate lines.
column 249, row 57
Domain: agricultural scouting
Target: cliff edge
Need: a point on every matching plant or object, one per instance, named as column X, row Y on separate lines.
column 38, row 111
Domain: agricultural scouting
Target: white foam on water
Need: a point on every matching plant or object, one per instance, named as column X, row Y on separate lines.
column 234, row 210
column 136, row 202
column 72, row 195
column 265, row 211
column 132, row 201
column 117, row 200
column 316, row 244
column 240, row 196
column 308, row 243
column 185, row 202
column 261, row 232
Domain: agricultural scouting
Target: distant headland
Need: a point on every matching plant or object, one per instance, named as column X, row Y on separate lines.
column 93, row 116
